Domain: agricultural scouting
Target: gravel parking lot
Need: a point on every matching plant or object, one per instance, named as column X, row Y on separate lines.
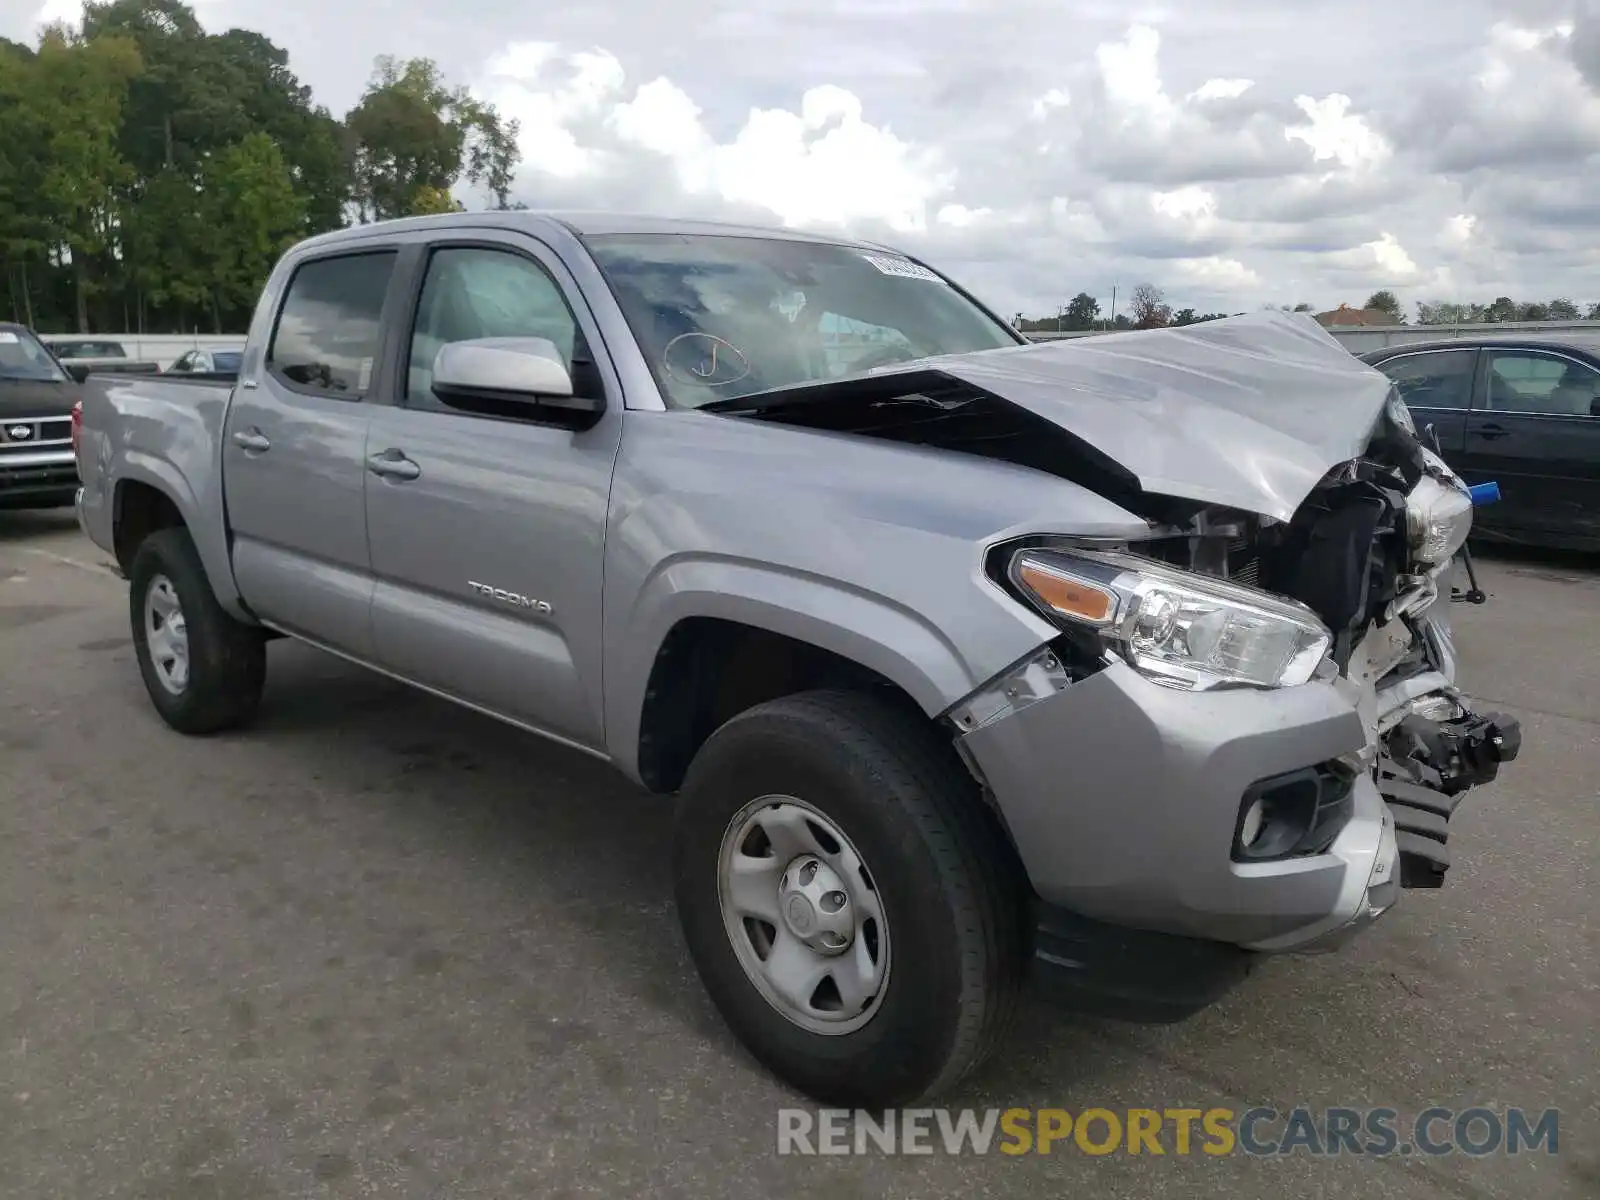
column 382, row 946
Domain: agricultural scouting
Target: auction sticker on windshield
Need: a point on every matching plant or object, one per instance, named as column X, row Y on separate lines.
column 902, row 268
column 7, row 338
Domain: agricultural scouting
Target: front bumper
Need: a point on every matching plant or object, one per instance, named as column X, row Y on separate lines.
column 37, row 479
column 1124, row 797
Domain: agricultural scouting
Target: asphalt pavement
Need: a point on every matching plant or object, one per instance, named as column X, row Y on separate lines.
column 381, row 946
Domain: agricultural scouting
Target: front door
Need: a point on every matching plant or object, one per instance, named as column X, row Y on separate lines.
column 294, row 449
column 1535, row 430
column 487, row 547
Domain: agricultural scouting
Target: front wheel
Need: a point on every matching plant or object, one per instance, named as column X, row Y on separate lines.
column 853, row 910
column 204, row 670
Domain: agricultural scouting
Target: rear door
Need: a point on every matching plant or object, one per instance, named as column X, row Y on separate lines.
column 294, row 450
column 488, row 541
column 1535, row 430
column 1436, row 386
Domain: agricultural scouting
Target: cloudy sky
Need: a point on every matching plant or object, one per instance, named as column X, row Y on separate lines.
column 1233, row 152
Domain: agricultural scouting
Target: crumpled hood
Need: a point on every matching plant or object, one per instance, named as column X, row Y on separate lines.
column 1248, row 412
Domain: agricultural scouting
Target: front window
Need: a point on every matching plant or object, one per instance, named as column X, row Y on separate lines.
column 720, row 317
column 1433, row 378
column 23, row 356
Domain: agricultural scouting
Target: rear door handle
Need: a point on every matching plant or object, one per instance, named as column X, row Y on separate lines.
column 252, row 440
column 1491, row 431
column 393, row 464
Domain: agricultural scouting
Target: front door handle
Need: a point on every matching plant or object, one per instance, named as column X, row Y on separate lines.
column 393, row 464
column 252, row 440
column 1491, row 431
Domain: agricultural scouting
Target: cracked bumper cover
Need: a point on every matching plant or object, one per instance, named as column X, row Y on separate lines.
column 1123, row 798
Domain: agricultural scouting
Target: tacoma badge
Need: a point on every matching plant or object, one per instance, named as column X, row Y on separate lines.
column 516, row 598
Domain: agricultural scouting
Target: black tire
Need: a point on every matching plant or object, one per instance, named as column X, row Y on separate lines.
column 227, row 658
column 952, row 890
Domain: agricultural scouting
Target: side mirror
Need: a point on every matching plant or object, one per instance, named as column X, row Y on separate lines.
column 498, row 376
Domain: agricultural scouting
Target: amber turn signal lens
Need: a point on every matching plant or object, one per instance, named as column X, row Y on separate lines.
column 1069, row 597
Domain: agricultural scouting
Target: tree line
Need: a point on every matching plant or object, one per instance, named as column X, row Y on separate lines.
column 1503, row 308
column 151, row 173
column 1147, row 309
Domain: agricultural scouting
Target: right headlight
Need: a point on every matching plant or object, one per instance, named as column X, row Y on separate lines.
column 1438, row 514
column 1177, row 628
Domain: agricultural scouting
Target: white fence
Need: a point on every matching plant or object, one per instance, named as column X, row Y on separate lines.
column 162, row 348
column 1358, row 339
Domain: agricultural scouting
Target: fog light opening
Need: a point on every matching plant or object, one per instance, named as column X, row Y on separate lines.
column 1299, row 812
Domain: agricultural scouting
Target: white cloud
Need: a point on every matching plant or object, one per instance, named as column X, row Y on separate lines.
column 1333, row 131
column 1221, row 274
column 1055, row 98
column 1222, row 89
column 1459, row 228
column 1192, row 204
column 959, row 216
column 69, row 11
column 823, row 165
column 1131, row 74
column 1382, row 261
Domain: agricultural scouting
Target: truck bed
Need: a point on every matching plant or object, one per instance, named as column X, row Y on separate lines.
column 165, row 433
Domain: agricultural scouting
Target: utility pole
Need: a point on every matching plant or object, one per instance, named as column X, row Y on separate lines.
column 1111, row 320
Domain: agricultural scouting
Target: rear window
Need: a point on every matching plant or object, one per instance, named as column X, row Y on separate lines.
column 327, row 335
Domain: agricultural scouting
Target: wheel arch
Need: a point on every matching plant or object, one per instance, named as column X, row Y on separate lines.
column 151, row 494
column 751, row 635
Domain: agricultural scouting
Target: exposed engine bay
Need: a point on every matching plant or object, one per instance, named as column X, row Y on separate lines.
column 1368, row 549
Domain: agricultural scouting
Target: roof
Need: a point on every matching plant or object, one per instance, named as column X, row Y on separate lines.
column 588, row 223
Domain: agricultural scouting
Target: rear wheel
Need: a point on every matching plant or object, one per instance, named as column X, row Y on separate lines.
column 854, row 911
column 204, row 670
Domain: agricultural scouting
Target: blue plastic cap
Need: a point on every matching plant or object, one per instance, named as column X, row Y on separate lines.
column 1485, row 493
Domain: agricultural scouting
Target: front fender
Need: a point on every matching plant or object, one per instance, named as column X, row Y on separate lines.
column 868, row 629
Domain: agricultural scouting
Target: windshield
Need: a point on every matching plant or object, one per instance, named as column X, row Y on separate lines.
column 23, row 356
column 720, row 317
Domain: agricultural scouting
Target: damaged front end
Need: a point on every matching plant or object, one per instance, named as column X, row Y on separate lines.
column 1266, row 458
column 1370, row 552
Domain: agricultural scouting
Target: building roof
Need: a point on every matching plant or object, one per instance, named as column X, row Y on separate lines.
column 1344, row 316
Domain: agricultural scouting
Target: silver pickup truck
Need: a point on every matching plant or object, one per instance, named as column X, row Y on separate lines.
column 1114, row 663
